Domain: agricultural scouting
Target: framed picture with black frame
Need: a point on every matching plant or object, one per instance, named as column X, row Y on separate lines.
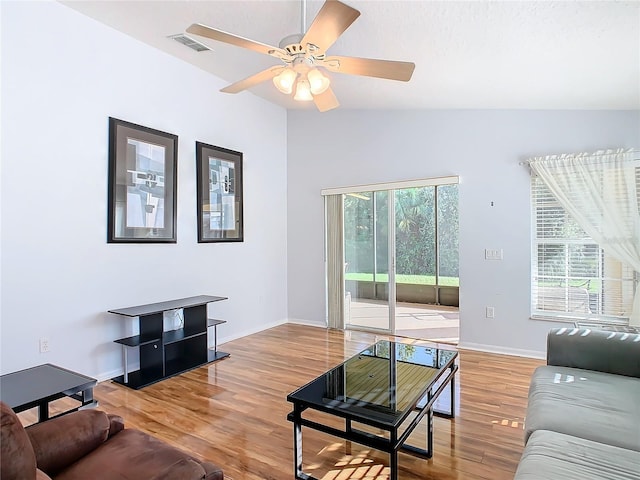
column 142, row 196
column 219, row 190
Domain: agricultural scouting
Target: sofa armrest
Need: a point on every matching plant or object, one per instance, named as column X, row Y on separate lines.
column 116, row 424
column 61, row 441
column 599, row 350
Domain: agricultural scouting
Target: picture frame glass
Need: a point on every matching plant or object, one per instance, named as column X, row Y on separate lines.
column 220, row 209
column 145, row 186
column 142, row 184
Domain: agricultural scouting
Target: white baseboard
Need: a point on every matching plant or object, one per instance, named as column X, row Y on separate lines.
column 310, row 323
column 502, row 350
column 116, row 373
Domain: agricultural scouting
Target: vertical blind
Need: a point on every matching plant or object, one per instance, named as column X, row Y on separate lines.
column 573, row 276
column 334, row 260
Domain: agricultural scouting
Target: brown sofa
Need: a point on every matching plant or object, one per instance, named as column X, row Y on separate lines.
column 91, row 444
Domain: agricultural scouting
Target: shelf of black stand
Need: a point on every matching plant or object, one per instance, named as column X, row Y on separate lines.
column 172, row 336
column 140, row 378
column 215, row 354
column 212, row 322
column 138, row 340
column 167, row 353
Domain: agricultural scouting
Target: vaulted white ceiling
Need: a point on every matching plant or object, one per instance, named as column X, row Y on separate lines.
column 478, row 54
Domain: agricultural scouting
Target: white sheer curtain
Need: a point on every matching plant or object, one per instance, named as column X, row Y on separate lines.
column 600, row 191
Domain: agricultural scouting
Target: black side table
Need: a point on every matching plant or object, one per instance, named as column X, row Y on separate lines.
column 37, row 386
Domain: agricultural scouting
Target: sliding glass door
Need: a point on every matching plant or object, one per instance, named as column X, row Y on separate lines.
column 426, row 238
column 392, row 258
column 397, row 270
column 368, row 265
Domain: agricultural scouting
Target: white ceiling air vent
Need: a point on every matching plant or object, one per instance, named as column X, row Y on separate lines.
column 189, row 42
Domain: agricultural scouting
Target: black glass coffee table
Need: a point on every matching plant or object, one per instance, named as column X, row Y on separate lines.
column 40, row 385
column 389, row 386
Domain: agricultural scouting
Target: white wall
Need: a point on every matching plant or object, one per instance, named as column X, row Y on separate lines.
column 342, row 148
column 63, row 75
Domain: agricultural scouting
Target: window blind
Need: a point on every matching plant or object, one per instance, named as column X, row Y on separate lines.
column 572, row 276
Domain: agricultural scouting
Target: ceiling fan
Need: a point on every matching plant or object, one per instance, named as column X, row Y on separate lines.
column 302, row 54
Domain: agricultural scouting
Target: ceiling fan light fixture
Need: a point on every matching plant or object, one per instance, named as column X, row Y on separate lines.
column 303, row 91
column 304, row 55
column 317, row 81
column 284, row 82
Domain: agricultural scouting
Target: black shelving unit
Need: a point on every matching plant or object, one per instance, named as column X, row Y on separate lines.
column 167, row 353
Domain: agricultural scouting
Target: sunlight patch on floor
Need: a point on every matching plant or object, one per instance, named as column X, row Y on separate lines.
column 352, row 467
column 505, row 422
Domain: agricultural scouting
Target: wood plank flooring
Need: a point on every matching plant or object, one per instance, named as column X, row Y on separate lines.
column 233, row 412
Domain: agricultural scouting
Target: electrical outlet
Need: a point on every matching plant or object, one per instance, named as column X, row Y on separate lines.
column 44, row 345
column 490, row 312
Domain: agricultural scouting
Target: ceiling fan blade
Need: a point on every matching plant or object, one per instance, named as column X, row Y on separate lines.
column 370, row 67
column 332, row 20
column 326, row 100
column 249, row 82
column 230, row 38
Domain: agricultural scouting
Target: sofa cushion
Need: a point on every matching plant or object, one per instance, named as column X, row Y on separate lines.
column 16, row 455
column 593, row 405
column 555, row 456
column 69, row 438
column 133, row 455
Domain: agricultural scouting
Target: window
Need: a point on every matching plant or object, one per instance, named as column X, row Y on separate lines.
column 572, row 277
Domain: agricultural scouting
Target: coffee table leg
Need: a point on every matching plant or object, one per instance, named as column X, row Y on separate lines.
column 393, row 456
column 43, row 411
column 87, row 398
column 297, row 441
column 453, row 394
column 430, row 433
column 452, row 391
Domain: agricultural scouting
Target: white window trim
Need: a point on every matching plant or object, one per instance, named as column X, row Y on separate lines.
column 377, row 187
